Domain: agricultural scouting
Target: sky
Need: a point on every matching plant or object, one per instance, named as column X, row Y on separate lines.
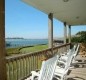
column 22, row 20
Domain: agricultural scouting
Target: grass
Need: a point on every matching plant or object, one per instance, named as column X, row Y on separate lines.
column 12, row 51
column 34, row 48
column 27, row 49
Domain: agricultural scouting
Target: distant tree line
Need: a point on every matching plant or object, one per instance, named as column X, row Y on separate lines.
column 15, row 38
column 80, row 37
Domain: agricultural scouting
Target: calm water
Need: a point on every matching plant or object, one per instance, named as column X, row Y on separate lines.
column 25, row 42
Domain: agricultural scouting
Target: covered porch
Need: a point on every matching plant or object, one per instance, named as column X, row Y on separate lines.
column 71, row 13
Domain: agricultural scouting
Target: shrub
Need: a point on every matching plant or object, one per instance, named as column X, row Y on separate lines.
column 80, row 37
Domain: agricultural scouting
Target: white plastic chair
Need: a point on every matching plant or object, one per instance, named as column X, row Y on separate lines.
column 76, row 53
column 65, row 56
column 64, row 64
column 47, row 69
column 63, row 67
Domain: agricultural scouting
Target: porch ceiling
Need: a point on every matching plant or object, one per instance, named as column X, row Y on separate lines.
column 73, row 12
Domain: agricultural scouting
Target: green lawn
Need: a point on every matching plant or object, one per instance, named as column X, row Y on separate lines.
column 34, row 48
column 12, row 51
column 19, row 50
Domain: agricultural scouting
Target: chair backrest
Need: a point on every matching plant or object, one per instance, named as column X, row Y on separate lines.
column 72, row 50
column 69, row 59
column 47, row 69
column 76, row 51
column 68, row 53
column 75, row 46
column 70, row 56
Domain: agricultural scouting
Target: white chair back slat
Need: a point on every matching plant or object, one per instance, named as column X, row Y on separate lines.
column 69, row 59
column 47, row 69
column 76, row 51
column 71, row 55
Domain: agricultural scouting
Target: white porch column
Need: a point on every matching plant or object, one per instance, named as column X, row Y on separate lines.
column 2, row 41
column 50, row 30
column 65, row 33
column 69, row 34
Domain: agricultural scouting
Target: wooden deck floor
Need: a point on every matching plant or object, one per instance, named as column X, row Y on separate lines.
column 79, row 70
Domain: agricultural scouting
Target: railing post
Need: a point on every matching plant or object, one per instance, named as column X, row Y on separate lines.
column 2, row 41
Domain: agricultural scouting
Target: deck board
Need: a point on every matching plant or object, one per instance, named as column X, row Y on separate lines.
column 79, row 70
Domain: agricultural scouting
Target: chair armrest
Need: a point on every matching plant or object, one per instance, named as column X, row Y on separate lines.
column 34, row 74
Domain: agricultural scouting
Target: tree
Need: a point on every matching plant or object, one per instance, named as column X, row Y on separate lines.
column 80, row 37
